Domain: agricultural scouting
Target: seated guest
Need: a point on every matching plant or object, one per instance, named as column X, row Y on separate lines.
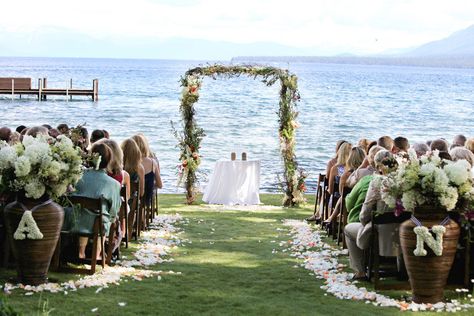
column 459, row 140
column 152, row 172
column 132, row 158
column 115, row 171
column 358, row 229
column 340, row 167
column 96, row 135
column 20, row 128
column 80, row 137
column 458, row 153
column 5, row 133
column 364, row 171
column 385, row 142
column 364, row 144
column 420, row 149
column 63, row 128
column 400, row 145
column 445, row 155
column 439, row 144
column 355, row 159
column 37, row 130
column 54, row 133
column 470, row 144
column 15, row 138
column 94, row 184
column 333, row 160
column 329, row 165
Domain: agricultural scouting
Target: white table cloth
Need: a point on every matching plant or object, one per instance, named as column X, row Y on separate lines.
column 234, row 182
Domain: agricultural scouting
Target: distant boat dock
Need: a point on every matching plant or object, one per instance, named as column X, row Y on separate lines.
column 23, row 86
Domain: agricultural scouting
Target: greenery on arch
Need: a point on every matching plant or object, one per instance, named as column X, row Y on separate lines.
column 190, row 138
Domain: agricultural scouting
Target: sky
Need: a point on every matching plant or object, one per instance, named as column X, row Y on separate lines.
column 329, row 27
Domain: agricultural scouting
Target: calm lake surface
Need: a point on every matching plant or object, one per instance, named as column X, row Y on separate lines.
column 239, row 114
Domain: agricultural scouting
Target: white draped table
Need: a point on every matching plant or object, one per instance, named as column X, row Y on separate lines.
column 234, row 182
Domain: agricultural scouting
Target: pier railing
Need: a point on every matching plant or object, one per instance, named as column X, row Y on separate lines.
column 22, row 86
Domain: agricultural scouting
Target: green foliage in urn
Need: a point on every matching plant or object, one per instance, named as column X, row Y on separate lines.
column 191, row 137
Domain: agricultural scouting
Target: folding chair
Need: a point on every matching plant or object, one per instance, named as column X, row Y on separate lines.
column 342, row 221
column 98, row 235
column 373, row 269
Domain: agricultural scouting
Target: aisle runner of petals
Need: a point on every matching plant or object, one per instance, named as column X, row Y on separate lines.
column 155, row 244
column 321, row 258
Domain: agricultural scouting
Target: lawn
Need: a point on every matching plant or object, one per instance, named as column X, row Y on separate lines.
column 228, row 269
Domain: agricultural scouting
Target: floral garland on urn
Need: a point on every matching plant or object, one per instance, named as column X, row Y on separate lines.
column 190, row 139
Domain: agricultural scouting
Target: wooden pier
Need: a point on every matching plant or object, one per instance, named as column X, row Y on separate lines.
column 22, row 86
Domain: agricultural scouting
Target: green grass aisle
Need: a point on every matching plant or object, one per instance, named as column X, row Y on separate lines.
column 227, row 268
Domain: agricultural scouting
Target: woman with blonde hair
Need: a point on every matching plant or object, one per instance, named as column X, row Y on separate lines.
column 340, row 167
column 354, row 160
column 132, row 157
column 151, row 167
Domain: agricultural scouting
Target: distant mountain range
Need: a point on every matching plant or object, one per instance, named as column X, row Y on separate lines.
column 460, row 43
column 456, row 50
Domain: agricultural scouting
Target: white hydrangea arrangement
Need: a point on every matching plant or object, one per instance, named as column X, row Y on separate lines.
column 39, row 166
column 428, row 180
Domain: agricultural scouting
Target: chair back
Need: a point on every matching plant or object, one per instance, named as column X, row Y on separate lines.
column 93, row 205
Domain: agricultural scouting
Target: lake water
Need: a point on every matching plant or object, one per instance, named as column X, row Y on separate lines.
column 239, row 114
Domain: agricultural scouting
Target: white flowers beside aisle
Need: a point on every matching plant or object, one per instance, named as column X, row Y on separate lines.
column 307, row 245
column 154, row 246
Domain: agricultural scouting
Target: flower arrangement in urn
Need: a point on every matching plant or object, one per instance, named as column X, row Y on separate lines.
column 430, row 188
column 428, row 180
column 39, row 170
column 39, row 166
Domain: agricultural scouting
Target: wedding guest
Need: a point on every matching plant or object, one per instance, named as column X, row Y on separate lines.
column 364, row 144
column 115, row 171
column 355, row 159
column 96, row 135
column 333, row 160
column 37, row 130
column 80, row 137
column 106, row 134
column 385, row 142
column 439, row 144
column 152, row 172
column 15, row 138
column 47, row 126
column 420, row 149
column 445, row 155
column 20, row 128
column 54, row 133
column 459, row 140
column 364, row 171
column 339, row 168
column 400, row 145
column 115, row 167
column 470, row 144
column 63, row 128
column 132, row 157
column 5, row 133
column 358, row 231
column 94, row 184
column 458, row 153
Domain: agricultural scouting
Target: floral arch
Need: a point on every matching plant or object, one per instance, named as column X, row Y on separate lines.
column 190, row 138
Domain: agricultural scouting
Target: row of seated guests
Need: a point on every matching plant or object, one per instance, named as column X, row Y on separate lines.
column 119, row 165
column 360, row 168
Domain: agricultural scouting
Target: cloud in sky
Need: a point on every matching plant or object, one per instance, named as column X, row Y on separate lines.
column 363, row 26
